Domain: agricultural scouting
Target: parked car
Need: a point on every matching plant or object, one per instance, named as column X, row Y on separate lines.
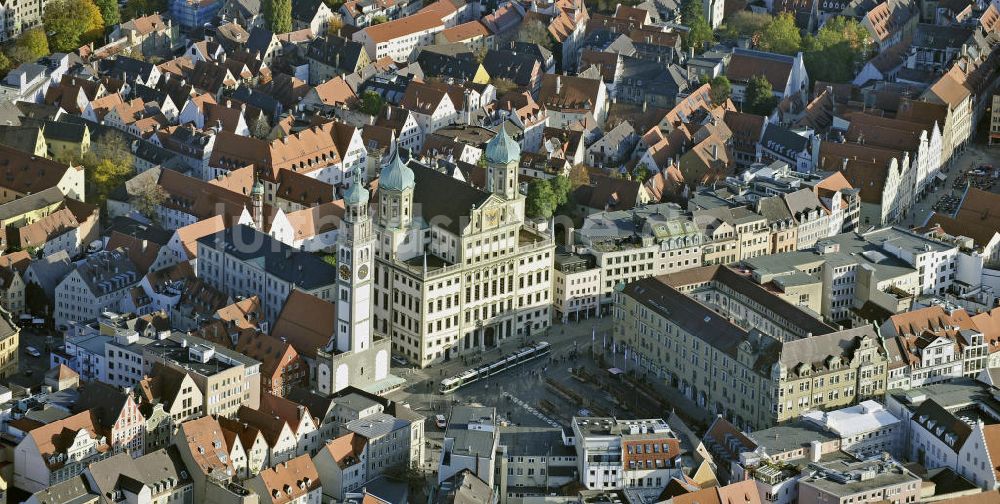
column 440, row 421
column 32, row 351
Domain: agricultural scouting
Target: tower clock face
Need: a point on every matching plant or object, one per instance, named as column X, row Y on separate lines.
column 345, row 272
column 363, row 271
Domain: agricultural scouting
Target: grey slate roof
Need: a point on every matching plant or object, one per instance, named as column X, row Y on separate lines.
column 534, row 442
column 942, row 424
column 248, row 8
column 376, row 426
column 430, row 184
column 303, row 269
column 783, row 141
column 22, row 138
column 161, row 466
column 337, row 52
column 791, row 436
column 471, row 442
column 127, row 69
column 815, row 349
column 773, row 209
column 940, row 37
column 50, row 270
column 108, row 271
column 72, row 491
column 66, row 131
column 304, row 10
column 802, row 200
column 517, row 67
column 457, row 67
column 49, row 196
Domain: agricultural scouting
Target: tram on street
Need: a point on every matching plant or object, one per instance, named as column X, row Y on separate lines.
column 522, row 355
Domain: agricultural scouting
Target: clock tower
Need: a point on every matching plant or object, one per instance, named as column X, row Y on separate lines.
column 355, row 252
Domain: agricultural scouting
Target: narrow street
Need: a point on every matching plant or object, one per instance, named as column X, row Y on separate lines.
column 974, row 156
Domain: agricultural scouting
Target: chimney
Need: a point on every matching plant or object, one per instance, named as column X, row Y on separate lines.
column 558, row 84
column 715, row 152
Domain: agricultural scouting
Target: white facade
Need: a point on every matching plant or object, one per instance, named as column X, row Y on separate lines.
column 866, row 430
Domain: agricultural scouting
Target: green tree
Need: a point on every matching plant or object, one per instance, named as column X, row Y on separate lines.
column 376, row 20
column 561, row 188
column 503, row 85
column 108, row 165
column 721, row 89
column 146, row 199
column 745, row 23
column 31, row 45
column 5, row 64
column 642, row 172
column 138, row 8
column 781, row 35
column 700, row 31
column 834, row 53
column 372, row 103
column 579, row 176
column 534, row 32
column 259, row 128
column 72, row 23
column 278, row 14
column 759, row 98
column 335, row 25
column 109, row 11
column 35, row 299
column 540, row 200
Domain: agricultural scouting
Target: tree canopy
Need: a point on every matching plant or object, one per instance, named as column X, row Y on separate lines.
column 108, row 165
column 545, row 196
column 540, row 201
column 72, row 23
column 109, row 11
column 278, row 14
column 31, row 45
column 747, row 24
column 781, row 35
column 139, row 8
column 721, row 89
column 694, row 17
column 759, row 97
column 833, row 54
column 534, row 32
column 372, row 103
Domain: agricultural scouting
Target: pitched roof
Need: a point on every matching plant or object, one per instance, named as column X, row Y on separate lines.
column 346, row 450
column 289, row 481
column 189, row 235
column 57, row 437
column 949, row 90
column 776, row 68
column 207, row 447
column 992, row 434
column 335, row 91
column 397, row 28
column 25, row 173
column 942, row 424
column 430, row 184
column 423, row 98
column 465, row 31
column 306, row 322
column 566, row 92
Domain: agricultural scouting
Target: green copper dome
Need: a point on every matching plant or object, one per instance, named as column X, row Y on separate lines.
column 396, row 176
column 357, row 194
column 503, row 149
